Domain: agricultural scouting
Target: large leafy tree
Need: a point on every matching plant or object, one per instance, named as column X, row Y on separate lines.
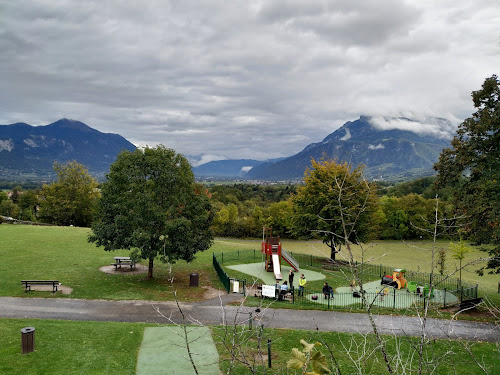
column 151, row 203
column 337, row 204
column 472, row 166
column 72, row 199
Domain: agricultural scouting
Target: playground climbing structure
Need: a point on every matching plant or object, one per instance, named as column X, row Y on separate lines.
column 271, row 248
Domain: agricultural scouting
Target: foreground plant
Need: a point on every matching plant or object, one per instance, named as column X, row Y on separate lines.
column 309, row 356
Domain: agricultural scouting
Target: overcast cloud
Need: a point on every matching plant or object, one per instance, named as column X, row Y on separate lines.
column 243, row 79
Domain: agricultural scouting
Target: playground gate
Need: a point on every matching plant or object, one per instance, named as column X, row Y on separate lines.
column 230, row 284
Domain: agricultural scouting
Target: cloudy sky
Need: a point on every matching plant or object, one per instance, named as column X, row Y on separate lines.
column 242, row 78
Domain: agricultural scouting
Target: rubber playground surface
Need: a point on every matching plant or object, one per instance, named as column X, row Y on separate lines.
column 163, row 351
column 257, row 271
column 395, row 298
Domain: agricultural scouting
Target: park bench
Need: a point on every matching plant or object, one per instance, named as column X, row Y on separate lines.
column 29, row 283
column 470, row 303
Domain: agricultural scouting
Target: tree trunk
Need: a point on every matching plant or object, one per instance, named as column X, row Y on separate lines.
column 150, row 269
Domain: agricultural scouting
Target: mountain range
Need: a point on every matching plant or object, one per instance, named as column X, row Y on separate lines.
column 393, row 154
column 27, row 150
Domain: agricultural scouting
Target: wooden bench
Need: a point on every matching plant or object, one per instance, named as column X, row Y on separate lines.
column 470, row 304
column 29, row 283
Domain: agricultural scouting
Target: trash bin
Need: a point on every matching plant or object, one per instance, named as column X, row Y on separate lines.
column 193, row 279
column 27, row 340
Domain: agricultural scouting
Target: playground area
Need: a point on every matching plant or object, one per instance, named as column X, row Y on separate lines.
column 391, row 290
column 382, row 296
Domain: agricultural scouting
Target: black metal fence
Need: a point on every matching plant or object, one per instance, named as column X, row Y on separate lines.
column 385, row 298
column 230, row 284
column 447, row 285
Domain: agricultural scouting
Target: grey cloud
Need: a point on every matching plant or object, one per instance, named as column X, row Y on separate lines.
column 226, row 78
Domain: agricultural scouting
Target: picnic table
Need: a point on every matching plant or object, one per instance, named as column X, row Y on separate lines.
column 123, row 261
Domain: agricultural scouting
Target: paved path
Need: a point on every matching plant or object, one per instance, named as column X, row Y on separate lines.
column 210, row 312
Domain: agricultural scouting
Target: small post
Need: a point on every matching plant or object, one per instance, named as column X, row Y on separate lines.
column 444, row 304
column 238, row 255
column 394, row 303
column 269, row 353
column 476, row 290
column 293, row 294
column 250, row 321
column 311, row 260
column 221, row 257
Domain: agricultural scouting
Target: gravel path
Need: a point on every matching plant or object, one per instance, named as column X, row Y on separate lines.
column 210, row 312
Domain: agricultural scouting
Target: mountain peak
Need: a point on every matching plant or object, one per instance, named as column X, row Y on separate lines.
column 72, row 124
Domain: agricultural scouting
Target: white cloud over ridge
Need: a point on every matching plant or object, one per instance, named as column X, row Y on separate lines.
column 244, row 79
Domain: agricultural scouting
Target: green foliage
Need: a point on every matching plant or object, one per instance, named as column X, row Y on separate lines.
column 72, row 199
column 472, row 167
column 9, row 208
column 425, row 187
column 150, row 202
column 309, row 357
column 28, row 203
column 410, row 217
column 441, row 261
column 460, row 250
column 241, row 210
column 337, row 205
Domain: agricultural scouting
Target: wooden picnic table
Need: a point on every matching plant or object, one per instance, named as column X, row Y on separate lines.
column 123, row 261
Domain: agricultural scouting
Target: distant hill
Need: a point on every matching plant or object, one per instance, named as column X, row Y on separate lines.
column 225, row 168
column 388, row 154
column 31, row 150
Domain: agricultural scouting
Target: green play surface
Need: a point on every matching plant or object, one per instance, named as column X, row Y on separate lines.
column 163, row 351
column 257, row 270
column 401, row 300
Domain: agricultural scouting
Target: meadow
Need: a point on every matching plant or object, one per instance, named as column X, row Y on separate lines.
column 63, row 253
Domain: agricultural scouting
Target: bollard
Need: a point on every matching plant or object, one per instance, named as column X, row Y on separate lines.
column 27, row 340
column 250, row 321
column 269, row 353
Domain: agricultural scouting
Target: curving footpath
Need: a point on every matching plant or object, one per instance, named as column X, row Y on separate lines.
column 215, row 312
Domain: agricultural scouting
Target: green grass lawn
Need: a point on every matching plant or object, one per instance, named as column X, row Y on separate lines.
column 63, row 253
column 64, row 347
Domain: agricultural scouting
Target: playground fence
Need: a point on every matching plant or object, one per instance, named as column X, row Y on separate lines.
column 367, row 271
column 392, row 299
column 230, row 284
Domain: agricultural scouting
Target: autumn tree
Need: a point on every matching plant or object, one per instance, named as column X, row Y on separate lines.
column 472, row 167
column 336, row 204
column 71, row 200
column 151, row 203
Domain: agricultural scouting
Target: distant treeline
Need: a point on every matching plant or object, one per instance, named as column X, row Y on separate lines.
column 241, row 210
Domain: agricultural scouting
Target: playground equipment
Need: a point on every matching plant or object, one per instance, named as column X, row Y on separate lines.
column 271, row 247
column 396, row 280
column 421, row 290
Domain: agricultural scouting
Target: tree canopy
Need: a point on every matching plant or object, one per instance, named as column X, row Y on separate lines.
column 472, row 166
column 337, row 204
column 150, row 202
column 71, row 200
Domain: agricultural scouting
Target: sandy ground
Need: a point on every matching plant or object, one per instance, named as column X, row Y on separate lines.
column 124, row 270
column 48, row 288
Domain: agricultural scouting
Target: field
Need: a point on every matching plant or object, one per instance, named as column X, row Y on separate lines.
column 63, row 253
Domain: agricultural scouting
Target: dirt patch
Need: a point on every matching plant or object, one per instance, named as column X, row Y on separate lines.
column 48, row 288
column 212, row 292
column 125, row 270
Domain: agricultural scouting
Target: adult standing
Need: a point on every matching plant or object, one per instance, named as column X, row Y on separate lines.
column 290, row 278
column 302, row 284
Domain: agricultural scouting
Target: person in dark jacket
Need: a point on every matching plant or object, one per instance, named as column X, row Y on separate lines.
column 327, row 291
column 290, row 278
